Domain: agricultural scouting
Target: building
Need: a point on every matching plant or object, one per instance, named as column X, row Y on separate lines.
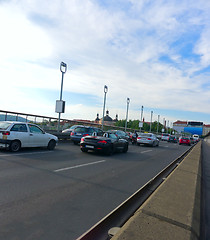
column 107, row 119
column 191, row 127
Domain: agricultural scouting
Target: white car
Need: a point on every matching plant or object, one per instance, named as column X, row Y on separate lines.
column 16, row 135
column 165, row 137
column 148, row 139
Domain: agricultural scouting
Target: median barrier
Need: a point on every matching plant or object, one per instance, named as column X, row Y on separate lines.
column 173, row 210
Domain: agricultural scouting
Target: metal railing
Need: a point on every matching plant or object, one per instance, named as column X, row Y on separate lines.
column 51, row 123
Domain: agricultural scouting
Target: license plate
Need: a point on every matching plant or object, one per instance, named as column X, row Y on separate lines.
column 89, row 146
column 78, row 134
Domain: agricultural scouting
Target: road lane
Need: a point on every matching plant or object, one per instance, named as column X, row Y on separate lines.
column 38, row 203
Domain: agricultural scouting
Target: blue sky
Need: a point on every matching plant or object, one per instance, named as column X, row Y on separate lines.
column 157, row 53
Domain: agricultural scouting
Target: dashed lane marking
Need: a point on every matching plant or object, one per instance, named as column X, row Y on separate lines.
column 78, row 166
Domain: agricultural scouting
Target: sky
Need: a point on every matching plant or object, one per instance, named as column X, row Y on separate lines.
column 155, row 52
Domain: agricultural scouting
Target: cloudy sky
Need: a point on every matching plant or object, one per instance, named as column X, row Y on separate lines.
column 156, row 52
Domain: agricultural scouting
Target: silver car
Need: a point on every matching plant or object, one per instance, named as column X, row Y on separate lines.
column 148, row 139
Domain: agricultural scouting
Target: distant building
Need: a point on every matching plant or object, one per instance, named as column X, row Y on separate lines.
column 191, row 127
column 107, row 119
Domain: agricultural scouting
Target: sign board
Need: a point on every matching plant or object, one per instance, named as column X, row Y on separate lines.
column 60, row 106
column 140, row 124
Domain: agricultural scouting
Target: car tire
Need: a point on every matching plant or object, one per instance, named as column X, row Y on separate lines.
column 110, row 151
column 15, row 146
column 84, row 150
column 138, row 144
column 125, row 149
column 51, row 145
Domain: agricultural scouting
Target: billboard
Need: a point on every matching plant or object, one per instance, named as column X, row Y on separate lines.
column 194, row 130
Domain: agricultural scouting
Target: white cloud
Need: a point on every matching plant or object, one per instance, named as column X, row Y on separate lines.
column 103, row 46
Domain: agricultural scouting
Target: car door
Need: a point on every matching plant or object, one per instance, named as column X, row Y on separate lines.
column 20, row 131
column 37, row 136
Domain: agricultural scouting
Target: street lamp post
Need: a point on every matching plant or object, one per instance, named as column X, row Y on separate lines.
column 142, row 107
column 105, row 92
column 158, row 123
column 63, row 68
column 128, row 101
column 151, row 121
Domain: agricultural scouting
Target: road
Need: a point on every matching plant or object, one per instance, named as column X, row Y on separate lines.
column 62, row 193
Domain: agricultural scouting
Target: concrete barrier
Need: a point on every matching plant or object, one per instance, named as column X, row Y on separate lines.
column 173, row 210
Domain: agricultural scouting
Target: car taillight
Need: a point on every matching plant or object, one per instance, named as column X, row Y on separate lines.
column 149, row 138
column 85, row 135
column 82, row 140
column 138, row 138
column 72, row 134
column 6, row 133
column 102, row 141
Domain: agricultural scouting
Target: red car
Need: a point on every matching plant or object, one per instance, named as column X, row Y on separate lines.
column 184, row 140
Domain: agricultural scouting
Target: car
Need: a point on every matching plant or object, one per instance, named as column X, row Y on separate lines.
column 120, row 134
column 165, row 137
column 184, row 140
column 107, row 144
column 196, row 137
column 83, row 131
column 172, row 139
column 17, row 135
column 69, row 130
column 148, row 139
column 192, row 140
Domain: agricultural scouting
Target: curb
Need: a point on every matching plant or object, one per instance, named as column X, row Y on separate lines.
column 173, row 210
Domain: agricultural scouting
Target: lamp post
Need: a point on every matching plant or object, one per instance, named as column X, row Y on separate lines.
column 63, row 68
column 151, row 121
column 158, row 123
column 128, row 101
column 142, row 107
column 105, row 92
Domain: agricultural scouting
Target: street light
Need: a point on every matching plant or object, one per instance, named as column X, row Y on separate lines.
column 105, row 92
column 128, row 101
column 60, row 105
column 151, row 121
column 142, row 107
column 158, row 123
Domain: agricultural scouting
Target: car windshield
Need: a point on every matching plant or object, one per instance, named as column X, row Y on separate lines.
column 145, row 135
column 4, row 125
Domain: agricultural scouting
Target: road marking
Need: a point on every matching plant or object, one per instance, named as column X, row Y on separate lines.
column 17, row 154
column 78, row 166
column 146, row 151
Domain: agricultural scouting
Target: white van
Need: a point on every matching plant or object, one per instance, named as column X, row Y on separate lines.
column 196, row 137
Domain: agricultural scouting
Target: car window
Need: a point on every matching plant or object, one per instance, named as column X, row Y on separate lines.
column 81, row 130
column 113, row 136
column 4, row 125
column 35, row 129
column 19, row 128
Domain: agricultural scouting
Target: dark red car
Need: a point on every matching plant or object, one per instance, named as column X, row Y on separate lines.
column 184, row 140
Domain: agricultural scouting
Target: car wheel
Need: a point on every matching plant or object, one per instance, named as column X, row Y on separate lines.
column 84, row 150
column 138, row 144
column 51, row 145
column 110, row 151
column 153, row 144
column 15, row 146
column 125, row 149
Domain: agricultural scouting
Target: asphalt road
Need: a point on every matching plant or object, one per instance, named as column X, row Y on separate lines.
column 62, row 193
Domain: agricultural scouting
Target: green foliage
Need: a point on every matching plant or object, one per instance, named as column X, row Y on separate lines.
column 134, row 124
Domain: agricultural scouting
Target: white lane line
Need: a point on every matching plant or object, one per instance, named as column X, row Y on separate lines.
column 78, row 166
column 19, row 154
column 146, row 151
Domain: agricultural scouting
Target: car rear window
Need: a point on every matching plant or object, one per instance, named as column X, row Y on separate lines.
column 4, row 125
column 81, row 130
